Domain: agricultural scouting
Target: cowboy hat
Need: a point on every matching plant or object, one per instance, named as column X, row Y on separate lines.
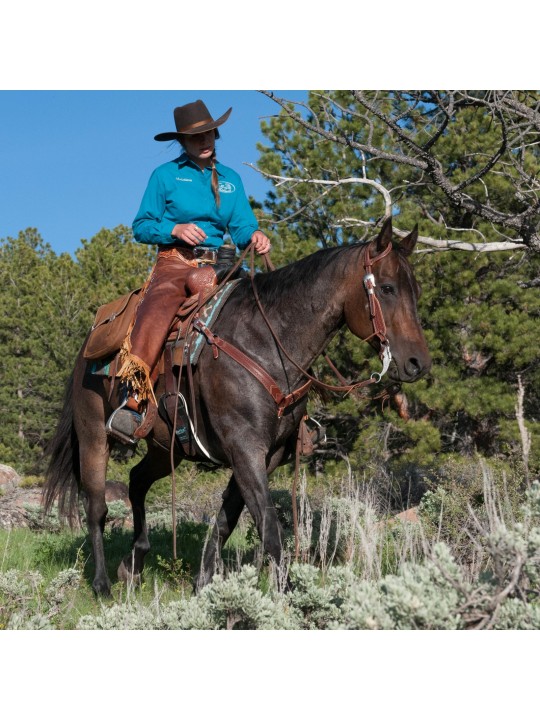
column 192, row 119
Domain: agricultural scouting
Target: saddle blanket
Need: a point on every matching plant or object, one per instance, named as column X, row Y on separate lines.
column 190, row 342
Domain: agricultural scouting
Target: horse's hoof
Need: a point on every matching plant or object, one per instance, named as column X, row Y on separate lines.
column 126, row 576
column 102, row 588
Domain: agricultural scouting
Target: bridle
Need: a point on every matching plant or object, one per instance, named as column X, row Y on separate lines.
column 282, row 399
column 376, row 316
column 375, row 311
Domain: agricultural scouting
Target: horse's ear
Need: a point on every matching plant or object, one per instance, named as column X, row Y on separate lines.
column 385, row 236
column 408, row 243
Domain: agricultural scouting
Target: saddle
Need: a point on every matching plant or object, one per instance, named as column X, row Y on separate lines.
column 113, row 320
column 112, row 324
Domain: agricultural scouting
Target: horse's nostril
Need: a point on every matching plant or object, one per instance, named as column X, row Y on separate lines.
column 414, row 366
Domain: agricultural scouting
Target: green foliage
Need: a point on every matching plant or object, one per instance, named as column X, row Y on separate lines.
column 460, row 496
column 27, row 602
column 175, row 572
column 32, row 481
column 48, row 304
column 37, row 520
column 436, row 589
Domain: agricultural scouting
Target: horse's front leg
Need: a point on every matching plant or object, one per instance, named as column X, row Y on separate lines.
column 226, row 521
column 250, row 470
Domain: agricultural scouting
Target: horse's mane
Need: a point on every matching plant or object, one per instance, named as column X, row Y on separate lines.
column 273, row 287
column 276, row 287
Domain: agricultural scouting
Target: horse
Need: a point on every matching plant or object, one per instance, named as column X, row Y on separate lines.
column 305, row 304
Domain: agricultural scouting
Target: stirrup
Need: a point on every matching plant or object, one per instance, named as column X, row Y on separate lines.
column 119, row 433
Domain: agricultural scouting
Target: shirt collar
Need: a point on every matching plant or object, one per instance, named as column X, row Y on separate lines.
column 184, row 159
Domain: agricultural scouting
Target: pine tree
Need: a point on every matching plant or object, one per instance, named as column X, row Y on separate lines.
column 26, row 335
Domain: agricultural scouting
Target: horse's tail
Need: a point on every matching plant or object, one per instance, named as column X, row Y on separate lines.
column 62, row 477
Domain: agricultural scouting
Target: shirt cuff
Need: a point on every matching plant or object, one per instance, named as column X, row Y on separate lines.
column 167, row 226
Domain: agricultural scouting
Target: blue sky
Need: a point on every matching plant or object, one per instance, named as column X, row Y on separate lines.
column 73, row 162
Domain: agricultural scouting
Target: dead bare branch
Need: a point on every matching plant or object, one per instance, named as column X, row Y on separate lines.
column 435, row 244
column 417, row 122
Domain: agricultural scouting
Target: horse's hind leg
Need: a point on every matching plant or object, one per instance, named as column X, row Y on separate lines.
column 155, row 465
column 226, row 521
column 93, row 472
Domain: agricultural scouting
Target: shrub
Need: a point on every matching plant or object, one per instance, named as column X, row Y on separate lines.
column 27, row 602
column 388, row 576
column 29, row 481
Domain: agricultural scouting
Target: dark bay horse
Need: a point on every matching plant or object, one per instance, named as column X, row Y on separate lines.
column 305, row 303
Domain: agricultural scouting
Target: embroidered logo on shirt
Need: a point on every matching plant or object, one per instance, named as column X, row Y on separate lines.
column 226, row 187
column 184, row 179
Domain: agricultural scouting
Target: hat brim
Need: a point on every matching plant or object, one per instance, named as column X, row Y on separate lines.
column 194, row 131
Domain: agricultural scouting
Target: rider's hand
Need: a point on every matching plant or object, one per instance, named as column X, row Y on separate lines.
column 260, row 242
column 189, row 233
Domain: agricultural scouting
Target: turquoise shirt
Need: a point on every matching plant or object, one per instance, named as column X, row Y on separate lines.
column 180, row 192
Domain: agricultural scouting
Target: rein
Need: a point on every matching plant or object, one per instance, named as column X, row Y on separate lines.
column 281, row 399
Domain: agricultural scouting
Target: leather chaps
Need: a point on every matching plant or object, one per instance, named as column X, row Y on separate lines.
column 165, row 290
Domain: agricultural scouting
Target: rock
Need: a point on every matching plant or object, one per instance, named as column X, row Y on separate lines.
column 9, row 479
column 406, row 516
column 410, row 515
column 115, row 490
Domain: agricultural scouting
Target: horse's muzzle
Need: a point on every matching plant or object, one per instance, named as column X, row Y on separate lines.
column 410, row 370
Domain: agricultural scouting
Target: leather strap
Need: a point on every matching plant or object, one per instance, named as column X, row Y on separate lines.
column 148, row 420
column 375, row 310
column 282, row 401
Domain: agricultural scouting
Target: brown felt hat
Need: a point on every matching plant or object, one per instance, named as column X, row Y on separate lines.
column 192, row 119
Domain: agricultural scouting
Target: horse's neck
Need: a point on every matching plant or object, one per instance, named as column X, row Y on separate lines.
column 311, row 312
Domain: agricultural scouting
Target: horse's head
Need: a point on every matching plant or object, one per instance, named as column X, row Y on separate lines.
column 389, row 292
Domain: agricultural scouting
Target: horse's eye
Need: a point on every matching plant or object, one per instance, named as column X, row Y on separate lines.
column 387, row 289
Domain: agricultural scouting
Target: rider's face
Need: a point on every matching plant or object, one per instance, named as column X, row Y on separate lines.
column 200, row 147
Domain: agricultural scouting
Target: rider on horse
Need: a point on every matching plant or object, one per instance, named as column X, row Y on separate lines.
column 189, row 204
